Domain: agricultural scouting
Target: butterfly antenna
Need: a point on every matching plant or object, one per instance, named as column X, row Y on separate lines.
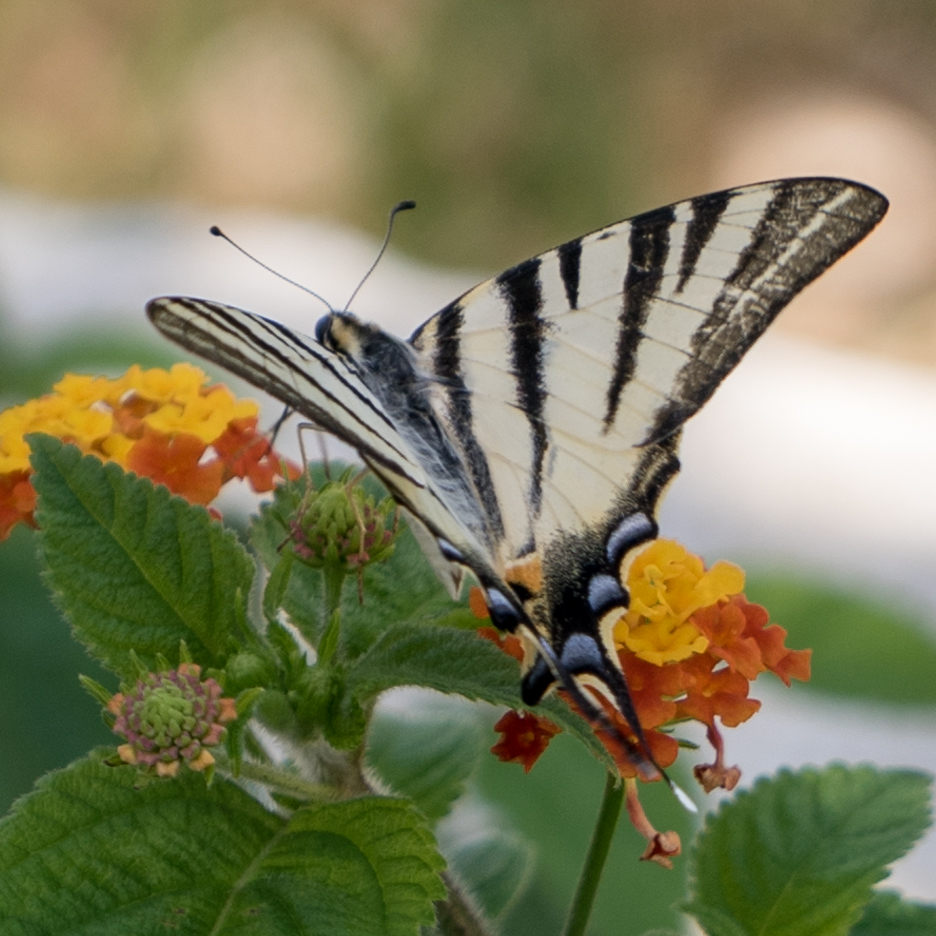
column 394, row 211
column 214, row 229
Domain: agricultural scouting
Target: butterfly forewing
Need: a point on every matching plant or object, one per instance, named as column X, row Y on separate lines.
column 323, row 386
column 555, row 374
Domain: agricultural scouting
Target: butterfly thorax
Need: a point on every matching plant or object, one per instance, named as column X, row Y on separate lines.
column 388, row 366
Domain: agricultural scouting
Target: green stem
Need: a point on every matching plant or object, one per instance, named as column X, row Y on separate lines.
column 279, row 780
column 334, row 576
column 597, row 856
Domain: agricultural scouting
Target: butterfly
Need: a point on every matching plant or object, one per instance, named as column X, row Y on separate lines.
column 532, row 425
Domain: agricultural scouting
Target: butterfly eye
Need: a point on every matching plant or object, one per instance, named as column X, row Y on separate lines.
column 323, row 331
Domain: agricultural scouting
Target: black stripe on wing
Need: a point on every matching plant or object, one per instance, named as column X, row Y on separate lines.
column 649, row 248
column 706, row 213
column 245, row 353
column 570, row 262
column 770, row 271
column 522, row 290
column 446, row 368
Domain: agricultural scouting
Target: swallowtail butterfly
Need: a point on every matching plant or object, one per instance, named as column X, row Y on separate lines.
column 532, row 425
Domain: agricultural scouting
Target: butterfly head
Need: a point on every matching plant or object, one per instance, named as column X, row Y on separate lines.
column 365, row 344
column 339, row 331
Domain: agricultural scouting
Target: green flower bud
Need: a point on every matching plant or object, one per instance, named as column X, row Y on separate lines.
column 246, row 670
column 172, row 717
column 342, row 525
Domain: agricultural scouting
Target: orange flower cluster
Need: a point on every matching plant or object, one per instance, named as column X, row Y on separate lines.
column 689, row 646
column 165, row 425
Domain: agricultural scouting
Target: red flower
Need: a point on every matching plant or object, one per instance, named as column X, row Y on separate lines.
column 710, row 692
column 689, row 645
column 661, row 846
column 17, row 501
column 524, row 737
column 249, row 454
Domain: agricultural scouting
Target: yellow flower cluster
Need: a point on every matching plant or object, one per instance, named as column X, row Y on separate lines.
column 168, row 426
column 667, row 586
column 102, row 415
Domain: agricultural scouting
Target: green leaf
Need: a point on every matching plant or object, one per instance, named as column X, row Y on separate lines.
column 457, row 661
column 378, row 844
column 888, row 914
column 426, row 751
column 861, row 647
column 494, row 865
column 98, row 851
column 797, row 855
column 131, row 565
column 402, row 589
column 440, row 658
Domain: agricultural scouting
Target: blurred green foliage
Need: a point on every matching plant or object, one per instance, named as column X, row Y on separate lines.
column 862, row 648
column 555, row 807
column 28, row 372
column 46, row 718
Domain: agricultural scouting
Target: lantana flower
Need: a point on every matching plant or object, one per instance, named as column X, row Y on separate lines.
column 524, row 736
column 689, row 645
column 171, row 718
column 167, row 425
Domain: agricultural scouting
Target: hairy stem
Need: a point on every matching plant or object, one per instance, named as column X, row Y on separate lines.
column 276, row 779
column 456, row 916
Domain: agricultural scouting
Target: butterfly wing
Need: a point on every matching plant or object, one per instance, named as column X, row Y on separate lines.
column 321, row 385
column 532, row 425
column 565, row 382
column 558, row 376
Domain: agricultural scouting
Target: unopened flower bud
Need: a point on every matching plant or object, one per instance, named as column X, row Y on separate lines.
column 171, row 717
column 342, row 525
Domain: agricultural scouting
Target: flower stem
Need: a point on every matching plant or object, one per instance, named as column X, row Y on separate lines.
column 334, row 578
column 597, row 855
column 279, row 780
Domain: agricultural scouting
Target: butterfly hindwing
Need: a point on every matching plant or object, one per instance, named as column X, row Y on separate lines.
column 532, row 425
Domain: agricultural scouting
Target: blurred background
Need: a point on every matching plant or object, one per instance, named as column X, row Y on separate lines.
column 127, row 128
